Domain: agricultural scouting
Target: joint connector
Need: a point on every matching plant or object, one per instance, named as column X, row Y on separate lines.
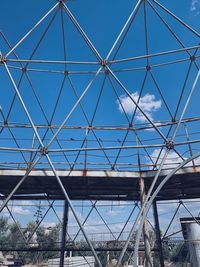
column 24, row 69
column 2, row 58
column 43, row 151
column 154, row 166
column 193, row 58
column 103, row 63
column 66, row 72
column 148, row 67
column 61, row 2
column 107, row 72
column 169, row 145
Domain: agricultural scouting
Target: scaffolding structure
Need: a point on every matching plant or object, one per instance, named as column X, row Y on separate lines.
column 99, row 114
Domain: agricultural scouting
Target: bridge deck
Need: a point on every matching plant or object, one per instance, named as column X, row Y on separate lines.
column 99, row 185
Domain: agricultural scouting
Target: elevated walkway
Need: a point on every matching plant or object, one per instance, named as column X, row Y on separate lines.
column 99, row 185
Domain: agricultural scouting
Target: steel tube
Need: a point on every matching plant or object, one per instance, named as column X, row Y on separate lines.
column 74, row 107
column 73, row 211
column 141, row 212
column 186, row 104
column 124, row 28
column 31, row 30
column 52, row 61
column 177, row 18
column 158, row 237
column 5, row 202
column 83, row 34
column 64, row 232
column 137, row 105
column 149, row 203
column 156, row 54
column 23, row 105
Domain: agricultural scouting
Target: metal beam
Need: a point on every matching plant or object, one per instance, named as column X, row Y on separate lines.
column 158, row 237
column 64, row 232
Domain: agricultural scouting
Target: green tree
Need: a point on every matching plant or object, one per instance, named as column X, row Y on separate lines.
column 15, row 238
column 46, row 239
column 180, row 253
column 3, row 231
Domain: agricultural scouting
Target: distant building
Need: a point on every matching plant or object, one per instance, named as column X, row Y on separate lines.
column 8, row 261
column 73, row 261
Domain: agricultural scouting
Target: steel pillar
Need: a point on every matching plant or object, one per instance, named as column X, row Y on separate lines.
column 148, row 256
column 158, row 237
column 64, row 232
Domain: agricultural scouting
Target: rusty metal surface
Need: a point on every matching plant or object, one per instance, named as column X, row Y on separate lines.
column 110, row 185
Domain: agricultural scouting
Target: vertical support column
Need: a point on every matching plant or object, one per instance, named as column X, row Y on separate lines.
column 147, row 246
column 108, row 257
column 64, row 232
column 158, row 237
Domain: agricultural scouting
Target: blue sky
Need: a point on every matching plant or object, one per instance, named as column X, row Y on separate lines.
column 102, row 25
column 102, row 22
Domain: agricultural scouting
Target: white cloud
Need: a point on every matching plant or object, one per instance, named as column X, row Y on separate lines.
column 195, row 7
column 19, row 207
column 16, row 210
column 172, row 160
column 114, row 213
column 21, row 211
column 147, row 103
